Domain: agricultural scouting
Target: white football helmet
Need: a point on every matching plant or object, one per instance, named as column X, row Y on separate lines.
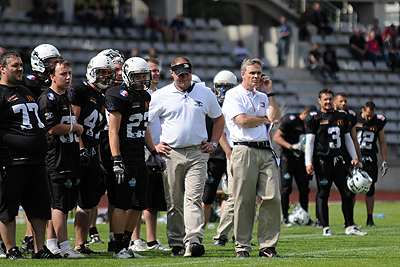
column 94, row 68
column 223, row 78
column 299, row 216
column 358, row 181
column 115, row 55
column 133, row 66
column 196, row 79
column 39, row 55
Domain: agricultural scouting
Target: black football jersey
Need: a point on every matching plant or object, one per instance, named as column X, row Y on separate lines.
column 92, row 107
column 329, row 129
column 35, row 83
column 352, row 117
column 293, row 128
column 22, row 135
column 367, row 133
column 62, row 150
column 134, row 107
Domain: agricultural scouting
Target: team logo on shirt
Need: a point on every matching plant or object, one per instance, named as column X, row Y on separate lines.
column 71, row 92
column 124, row 93
column 64, row 107
column 48, row 115
column 198, row 104
column 92, row 99
column 313, row 113
column 373, row 129
column 340, row 122
column 135, row 104
column 12, row 98
column 292, row 117
column 110, row 107
column 31, row 77
column 381, row 117
column 51, row 96
column 262, row 104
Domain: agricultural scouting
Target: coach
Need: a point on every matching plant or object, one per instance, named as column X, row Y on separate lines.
column 182, row 107
column 249, row 115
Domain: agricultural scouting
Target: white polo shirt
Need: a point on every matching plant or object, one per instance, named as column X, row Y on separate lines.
column 155, row 126
column 182, row 115
column 238, row 100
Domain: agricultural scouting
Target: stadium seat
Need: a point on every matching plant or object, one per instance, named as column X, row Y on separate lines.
column 188, row 23
column 199, row 35
column 200, row 48
column 380, row 78
column 342, row 77
column 10, row 27
column 49, row 29
column 317, row 39
column 353, row 102
column 292, row 88
column 77, row 31
column 200, row 23
column 172, row 48
column 379, row 102
column 354, row 64
column 392, row 127
column 342, row 64
column 393, row 91
column 213, row 48
column 343, row 39
column 392, row 139
column 339, row 88
column 353, row 90
column 226, row 48
column 379, row 90
column 392, row 115
column 213, row 36
column 215, row 23
column 393, row 78
column 226, row 62
column 331, row 40
column 213, row 61
column 199, row 61
column 279, row 76
column 367, row 65
column 365, row 90
column 380, row 65
column 279, row 88
column 392, row 103
column 36, row 29
column 367, row 78
column 343, row 53
column 353, row 77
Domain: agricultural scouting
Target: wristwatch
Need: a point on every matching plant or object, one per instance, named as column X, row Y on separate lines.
column 214, row 144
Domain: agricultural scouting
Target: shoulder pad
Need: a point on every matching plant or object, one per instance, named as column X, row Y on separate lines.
column 352, row 112
column 380, row 117
column 313, row 113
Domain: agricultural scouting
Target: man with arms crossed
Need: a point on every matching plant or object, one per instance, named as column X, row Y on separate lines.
column 249, row 117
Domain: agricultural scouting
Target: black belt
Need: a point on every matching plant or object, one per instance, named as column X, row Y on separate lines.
column 262, row 144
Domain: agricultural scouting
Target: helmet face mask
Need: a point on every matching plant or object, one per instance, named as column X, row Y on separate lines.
column 41, row 57
column 101, row 72
column 136, row 73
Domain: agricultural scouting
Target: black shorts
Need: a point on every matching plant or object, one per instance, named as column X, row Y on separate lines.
column 26, row 185
column 216, row 168
column 64, row 193
column 370, row 165
column 131, row 195
column 110, row 183
column 155, row 190
column 90, row 179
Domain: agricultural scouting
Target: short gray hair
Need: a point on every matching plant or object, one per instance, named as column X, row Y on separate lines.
column 250, row 61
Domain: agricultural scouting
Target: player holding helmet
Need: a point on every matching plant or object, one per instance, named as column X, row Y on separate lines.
column 87, row 101
column 128, row 106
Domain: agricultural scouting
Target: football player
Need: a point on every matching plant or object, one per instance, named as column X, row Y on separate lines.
column 370, row 128
column 41, row 57
column 62, row 155
column 328, row 141
column 87, row 102
column 128, row 133
column 290, row 137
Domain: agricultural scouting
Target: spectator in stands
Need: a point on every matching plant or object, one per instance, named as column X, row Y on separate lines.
column 390, row 30
column 179, row 29
column 283, row 41
column 153, row 53
column 316, row 61
column 359, row 47
column 378, row 32
column 85, row 13
column 391, row 51
column 109, row 17
column 125, row 17
column 321, row 20
column 99, row 14
column 373, row 47
column 134, row 53
column 53, row 12
column 330, row 58
column 240, row 53
column 307, row 24
column 152, row 28
column 165, row 28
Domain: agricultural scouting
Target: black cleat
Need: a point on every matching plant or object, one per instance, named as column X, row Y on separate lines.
column 177, row 251
column 85, row 249
column 370, row 223
column 220, row 242
column 194, row 250
column 269, row 253
column 28, row 245
column 111, row 246
column 317, row 223
column 45, row 253
column 14, row 254
column 242, row 254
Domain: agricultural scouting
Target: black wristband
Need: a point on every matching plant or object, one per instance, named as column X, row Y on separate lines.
column 271, row 94
column 117, row 158
column 154, row 152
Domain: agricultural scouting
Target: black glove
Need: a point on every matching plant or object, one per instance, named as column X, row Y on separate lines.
column 119, row 169
column 160, row 162
column 85, row 157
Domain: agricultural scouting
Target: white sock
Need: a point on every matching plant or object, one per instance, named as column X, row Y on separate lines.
column 52, row 244
column 111, row 235
column 65, row 245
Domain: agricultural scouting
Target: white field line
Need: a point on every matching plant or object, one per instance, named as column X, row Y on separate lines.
column 343, row 250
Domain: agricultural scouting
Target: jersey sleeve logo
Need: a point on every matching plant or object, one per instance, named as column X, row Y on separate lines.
column 292, row 117
column 124, row 93
column 110, row 107
column 352, row 113
column 51, row 96
column 313, row 113
column 381, row 117
column 71, row 92
column 31, row 77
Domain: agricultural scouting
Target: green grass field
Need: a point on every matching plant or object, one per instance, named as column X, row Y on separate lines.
column 299, row 245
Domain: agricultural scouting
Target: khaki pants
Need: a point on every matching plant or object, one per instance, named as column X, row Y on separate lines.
column 184, row 181
column 226, row 221
column 255, row 174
